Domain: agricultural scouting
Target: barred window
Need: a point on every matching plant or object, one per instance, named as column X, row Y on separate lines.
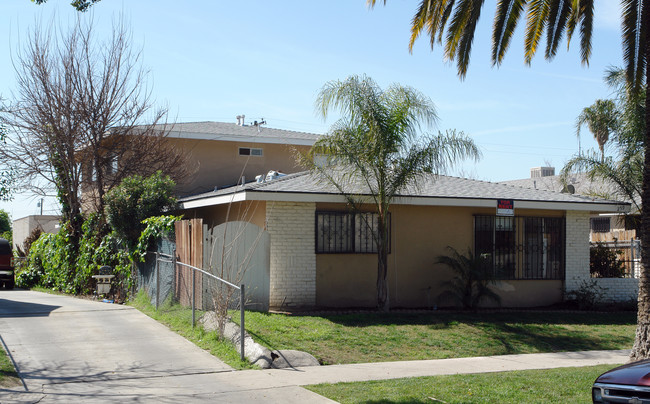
column 521, row 247
column 600, row 224
column 340, row 232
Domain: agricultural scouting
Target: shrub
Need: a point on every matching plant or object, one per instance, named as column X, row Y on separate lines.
column 28, row 277
column 136, row 199
column 604, row 262
column 473, row 275
column 27, row 244
column 588, row 295
column 51, row 255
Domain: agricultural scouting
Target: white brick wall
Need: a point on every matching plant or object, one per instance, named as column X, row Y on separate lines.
column 293, row 257
column 619, row 289
column 577, row 249
column 577, row 262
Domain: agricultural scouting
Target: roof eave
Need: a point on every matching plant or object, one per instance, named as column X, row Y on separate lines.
column 243, row 139
column 256, row 195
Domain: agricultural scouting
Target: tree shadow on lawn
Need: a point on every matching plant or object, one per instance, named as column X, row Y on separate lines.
column 515, row 338
column 406, row 401
column 503, row 332
column 516, row 332
column 443, row 319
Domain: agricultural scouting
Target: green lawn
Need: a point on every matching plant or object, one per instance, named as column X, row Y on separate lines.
column 567, row 385
column 357, row 338
column 8, row 376
column 376, row 337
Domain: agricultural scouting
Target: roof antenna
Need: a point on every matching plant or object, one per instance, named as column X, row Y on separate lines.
column 259, row 123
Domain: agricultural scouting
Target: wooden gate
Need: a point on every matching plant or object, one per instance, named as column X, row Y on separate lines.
column 189, row 250
column 239, row 253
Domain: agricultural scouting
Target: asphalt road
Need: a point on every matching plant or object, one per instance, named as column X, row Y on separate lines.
column 74, row 350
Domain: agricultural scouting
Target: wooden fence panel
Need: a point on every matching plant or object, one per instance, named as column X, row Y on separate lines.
column 189, row 250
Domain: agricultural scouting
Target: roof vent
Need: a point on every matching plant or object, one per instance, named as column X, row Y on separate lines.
column 569, row 189
column 270, row 176
column 539, row 172
column 240, row 120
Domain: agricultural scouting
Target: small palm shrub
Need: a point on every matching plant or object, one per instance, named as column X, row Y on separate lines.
column 470, row 285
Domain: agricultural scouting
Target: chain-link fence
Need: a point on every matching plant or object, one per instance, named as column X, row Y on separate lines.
column 186, row 290
column 157, row 278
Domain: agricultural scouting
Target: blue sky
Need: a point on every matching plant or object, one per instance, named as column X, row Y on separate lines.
column 214, row 60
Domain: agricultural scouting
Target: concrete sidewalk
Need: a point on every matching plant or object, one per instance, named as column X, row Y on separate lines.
column 393, row 370
column 283, row 385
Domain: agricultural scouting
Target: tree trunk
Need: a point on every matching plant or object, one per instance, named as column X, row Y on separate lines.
column 641, row 348
column 383, row 302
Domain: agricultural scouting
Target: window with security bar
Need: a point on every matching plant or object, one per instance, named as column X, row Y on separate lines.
column 521, row 247
column 600, row 224
column 341, row 232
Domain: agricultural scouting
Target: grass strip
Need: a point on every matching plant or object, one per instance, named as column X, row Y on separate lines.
column 370, row 337
column 563, row 385
column 8, row 375
column 179, row 320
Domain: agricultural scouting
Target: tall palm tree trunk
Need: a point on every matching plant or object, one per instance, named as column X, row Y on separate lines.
column 383, row 302
column 641, row 348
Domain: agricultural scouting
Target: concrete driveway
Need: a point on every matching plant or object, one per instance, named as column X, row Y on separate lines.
column 74, row 350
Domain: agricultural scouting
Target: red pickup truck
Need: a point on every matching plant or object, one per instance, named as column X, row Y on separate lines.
column 6, row 265
column 625, row 384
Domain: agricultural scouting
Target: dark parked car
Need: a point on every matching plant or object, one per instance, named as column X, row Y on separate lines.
column 625, row 384
column 6, row 265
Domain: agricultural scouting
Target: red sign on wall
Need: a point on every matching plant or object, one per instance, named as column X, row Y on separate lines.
column 505, row 207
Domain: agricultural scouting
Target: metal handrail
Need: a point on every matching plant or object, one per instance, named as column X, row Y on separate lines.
column 209, row 274
column 194, row 269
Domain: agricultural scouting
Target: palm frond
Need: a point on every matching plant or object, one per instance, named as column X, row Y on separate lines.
column 457, row 26
column 536, row 21
column 505, row 22
column 585, row 10
column 432, row 15
column 625, row 175
column 558, row 17
column 467, row 37
column 634, row 41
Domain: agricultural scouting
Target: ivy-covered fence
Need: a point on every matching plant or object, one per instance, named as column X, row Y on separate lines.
column 159, row 286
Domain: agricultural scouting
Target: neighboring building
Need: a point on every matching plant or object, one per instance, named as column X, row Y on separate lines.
column 232, row 153
column 23, row 227
column 319, row 254
column 224, row 154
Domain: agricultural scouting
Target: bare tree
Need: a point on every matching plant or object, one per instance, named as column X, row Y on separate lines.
column 83, row 106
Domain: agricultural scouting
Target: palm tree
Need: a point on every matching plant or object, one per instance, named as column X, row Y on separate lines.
column 377, row 143
column 625, row 169
column 601, row 119
column 453, row 22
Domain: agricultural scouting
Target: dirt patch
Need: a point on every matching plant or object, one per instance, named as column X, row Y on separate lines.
column 9, row 381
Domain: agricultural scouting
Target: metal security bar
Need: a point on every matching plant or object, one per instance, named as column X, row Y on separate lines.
column 352, row 233
column 521, row 247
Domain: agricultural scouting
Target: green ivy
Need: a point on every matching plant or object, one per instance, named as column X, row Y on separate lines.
column 156, row 227
column 136, row 199
column 51, row 255
column 68, row 260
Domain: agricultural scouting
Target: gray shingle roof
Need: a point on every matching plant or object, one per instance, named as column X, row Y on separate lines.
column 233, row 132
column 429, row 187
column 581, row 182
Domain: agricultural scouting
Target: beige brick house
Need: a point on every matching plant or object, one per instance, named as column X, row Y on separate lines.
column 321, row 255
